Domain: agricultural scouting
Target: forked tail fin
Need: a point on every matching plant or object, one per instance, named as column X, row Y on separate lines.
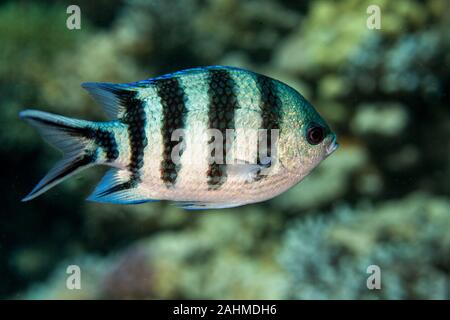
column 75, row 138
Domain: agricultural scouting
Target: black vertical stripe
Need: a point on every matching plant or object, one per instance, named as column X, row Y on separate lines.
column 106, row 140
column 221, row 112
column 270, row 108
column 135, row 119
column 173, row 101
column 76, row 164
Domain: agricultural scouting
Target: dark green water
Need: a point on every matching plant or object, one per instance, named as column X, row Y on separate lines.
column 382, row 199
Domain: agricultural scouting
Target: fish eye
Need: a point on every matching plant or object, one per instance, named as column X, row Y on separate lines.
column 315, row 134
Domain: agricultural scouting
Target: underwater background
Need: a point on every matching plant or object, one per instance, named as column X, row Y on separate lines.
column 382, row 199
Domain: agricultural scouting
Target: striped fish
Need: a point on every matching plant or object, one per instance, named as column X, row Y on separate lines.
column 211, row 137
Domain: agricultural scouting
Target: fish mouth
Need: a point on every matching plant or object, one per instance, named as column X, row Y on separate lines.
column 332, row 146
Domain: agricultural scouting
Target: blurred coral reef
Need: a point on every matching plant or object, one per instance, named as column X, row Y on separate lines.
column 381, row 199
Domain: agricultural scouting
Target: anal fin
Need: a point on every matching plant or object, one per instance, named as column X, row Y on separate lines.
column 117, row 186
column 199, row 205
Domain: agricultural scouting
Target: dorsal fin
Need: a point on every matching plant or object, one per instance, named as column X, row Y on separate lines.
column 111, row 96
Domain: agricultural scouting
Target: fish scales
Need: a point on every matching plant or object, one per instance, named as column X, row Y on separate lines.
column 194, row 160
column 270, row 106
column 140, row 144
column 173, row 100
column 221, row 116
column 135, row 120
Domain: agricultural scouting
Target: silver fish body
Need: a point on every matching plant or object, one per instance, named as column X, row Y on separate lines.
column 210, row 137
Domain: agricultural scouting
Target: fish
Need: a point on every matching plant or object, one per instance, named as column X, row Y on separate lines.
column 203, row 138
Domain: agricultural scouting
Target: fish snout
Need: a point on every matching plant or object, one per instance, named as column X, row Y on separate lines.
column 332, row 146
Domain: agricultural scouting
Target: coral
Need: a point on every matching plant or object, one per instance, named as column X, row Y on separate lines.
column 92, row 270
column 328, row 258
column 223, row 256
column 131, row 277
